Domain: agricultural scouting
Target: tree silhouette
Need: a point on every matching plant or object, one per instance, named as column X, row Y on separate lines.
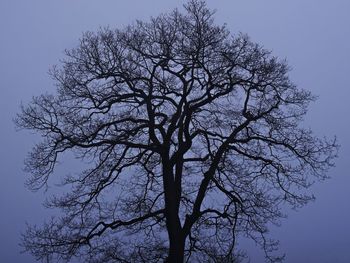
column 192, row 137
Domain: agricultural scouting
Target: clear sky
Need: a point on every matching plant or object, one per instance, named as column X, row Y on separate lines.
column 313, row 35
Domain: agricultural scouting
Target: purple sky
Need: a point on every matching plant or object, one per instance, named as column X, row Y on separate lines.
column 313, row 35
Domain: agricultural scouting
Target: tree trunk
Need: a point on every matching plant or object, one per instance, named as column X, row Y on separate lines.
column 176, row 249
column 172, row 193
column 176, row 236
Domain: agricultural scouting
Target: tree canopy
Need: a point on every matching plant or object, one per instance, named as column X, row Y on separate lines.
column 193, row 138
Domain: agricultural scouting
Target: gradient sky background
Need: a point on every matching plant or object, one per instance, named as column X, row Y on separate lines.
column 314, row 36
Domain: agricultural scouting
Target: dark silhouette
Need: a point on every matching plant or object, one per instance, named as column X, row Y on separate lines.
column 192, row 136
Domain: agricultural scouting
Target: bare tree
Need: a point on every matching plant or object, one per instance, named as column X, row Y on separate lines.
column 192, row 136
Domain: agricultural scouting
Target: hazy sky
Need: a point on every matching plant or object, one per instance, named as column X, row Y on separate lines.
column 313, row 35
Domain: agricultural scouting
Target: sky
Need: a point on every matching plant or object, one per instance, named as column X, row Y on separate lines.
column 314, row 37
